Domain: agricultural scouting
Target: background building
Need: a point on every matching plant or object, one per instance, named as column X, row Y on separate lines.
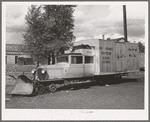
column 18, row 54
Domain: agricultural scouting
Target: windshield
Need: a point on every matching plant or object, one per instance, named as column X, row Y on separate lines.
column 62, row 59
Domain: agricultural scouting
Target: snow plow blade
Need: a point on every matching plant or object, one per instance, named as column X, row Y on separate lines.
column 23, row 86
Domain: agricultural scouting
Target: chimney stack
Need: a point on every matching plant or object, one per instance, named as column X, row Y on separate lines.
column 103, row 37
column 125, row 23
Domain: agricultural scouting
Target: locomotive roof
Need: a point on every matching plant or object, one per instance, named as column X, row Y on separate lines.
column 69, row 54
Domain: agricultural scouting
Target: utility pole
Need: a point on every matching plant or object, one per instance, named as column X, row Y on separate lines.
column 125, row 23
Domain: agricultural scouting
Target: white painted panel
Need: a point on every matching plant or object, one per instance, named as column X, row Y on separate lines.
column 88, row 70
column 55, row 73
column 75, row 71
column 107, row 57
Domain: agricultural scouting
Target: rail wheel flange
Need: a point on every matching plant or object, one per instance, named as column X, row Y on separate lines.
column 52, row 88
column 41, row 89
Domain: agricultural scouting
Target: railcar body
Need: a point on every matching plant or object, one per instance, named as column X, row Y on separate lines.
column 97, row 58
column 101, row 58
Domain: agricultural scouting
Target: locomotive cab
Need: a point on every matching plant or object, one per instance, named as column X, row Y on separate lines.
column 77, row 64
column 80, row 63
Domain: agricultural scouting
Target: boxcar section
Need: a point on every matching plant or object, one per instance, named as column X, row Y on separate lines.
column 113, row 57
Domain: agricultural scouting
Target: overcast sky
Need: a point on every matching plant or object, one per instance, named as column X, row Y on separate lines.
column 91, row 21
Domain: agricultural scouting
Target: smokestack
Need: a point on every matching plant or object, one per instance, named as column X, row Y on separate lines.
column 103, row 37
column 125, row 23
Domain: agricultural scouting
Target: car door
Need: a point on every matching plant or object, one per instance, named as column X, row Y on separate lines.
column 88, row 66
column 76, row 66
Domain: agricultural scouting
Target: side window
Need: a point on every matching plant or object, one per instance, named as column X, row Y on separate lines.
column 62, row 59
column 89, row 59
column 76, row 60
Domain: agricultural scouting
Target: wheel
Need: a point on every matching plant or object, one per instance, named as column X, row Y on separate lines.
column 41, row 89
column 52, row 88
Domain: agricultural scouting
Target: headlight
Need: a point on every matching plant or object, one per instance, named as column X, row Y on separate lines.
column 43, row 71
column 33, row 71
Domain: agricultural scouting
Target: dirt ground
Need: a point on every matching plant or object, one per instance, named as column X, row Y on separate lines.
column 128, row 93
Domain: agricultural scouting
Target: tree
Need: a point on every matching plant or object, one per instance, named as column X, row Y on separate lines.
column 49, row 27
column 141, row 47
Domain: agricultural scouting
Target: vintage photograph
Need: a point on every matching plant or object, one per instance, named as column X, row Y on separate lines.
column 80, row 57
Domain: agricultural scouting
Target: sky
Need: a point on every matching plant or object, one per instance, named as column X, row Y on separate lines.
column 91, row 21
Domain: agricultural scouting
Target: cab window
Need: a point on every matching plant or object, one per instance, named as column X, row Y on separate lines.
column 76, row 60
column 63, row 59
column 89, row 59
